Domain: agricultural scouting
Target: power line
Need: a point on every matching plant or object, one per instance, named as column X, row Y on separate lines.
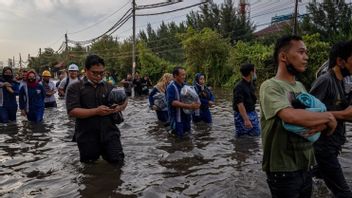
column 175, row 10
column 100, row 21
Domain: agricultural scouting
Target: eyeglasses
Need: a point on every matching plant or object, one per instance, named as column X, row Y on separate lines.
column 98, row 73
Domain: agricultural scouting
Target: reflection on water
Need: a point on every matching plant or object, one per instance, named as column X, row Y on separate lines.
column 41, row 161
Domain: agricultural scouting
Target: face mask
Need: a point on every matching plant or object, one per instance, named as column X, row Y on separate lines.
column 254, row 77
column 8, row 78
column 293, row 71
column 31, row 80
column 345, row 72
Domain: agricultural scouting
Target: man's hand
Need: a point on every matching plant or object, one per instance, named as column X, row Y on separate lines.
column 7, row 84
column 314, row 130
column 23, row 113
column 104, row 110
column 194, row 105
column 155, row 108
column 331, row 125
column 248, row 124
column 211, row 103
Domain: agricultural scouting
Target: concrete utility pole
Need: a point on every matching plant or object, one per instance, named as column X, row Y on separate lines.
column 134, row 42
column 20, row 61
column 66, row 42
column 294, row 32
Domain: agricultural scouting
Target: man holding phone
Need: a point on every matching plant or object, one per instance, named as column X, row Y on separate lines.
column 87, row 101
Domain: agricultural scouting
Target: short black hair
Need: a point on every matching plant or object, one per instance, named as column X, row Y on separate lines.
column 246, row 69
column 176, row 70
column 342, row 49
column 284, row 43
column 93, row 60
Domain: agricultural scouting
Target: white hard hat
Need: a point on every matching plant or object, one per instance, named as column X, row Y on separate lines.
column 73, row 67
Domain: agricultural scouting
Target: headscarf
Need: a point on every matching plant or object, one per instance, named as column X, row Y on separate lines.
column 32, row 84
column 7, row 78
column 196, row 80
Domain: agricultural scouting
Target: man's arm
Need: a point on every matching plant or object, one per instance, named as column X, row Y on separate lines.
column 345, row 115
column 243, row 112
column 182, row 105
column 307, row 119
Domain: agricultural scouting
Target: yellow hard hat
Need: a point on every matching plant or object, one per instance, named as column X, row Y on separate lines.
column 46, row 73
column 83, row 71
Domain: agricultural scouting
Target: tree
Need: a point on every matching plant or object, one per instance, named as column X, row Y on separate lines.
column 206, row 51
column 224, row 19
column 331, row 19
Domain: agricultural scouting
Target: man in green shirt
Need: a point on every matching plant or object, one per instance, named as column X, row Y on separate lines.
column 288, row 157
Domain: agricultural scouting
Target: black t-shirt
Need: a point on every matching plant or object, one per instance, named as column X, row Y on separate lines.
column 244, row 92
column 83, row 94
column 328, row 89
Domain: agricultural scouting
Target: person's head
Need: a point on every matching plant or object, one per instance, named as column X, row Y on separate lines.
column 290, row 52
column 164, row 81
column 248, row 71
column 62, row 75
column 200, row 79
column 341, row 56
column 7, row 74
column 24, row 74
column 129, row 76
column 146, row 78
column 73, row 71
column 95, row 68
column 137, row 76
column 31, row 76
column 179, row 74
column 46, row 75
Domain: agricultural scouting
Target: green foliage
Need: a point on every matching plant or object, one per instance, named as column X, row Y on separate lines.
column 258, row 54
column 331, row 19
column 206, row 52
column 150, row 64
column 318, row 53
column 164, row 41
column 224, row 19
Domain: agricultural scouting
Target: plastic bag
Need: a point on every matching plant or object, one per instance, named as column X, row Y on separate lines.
column 160, row 101
column 189, row 96
column 117, row 96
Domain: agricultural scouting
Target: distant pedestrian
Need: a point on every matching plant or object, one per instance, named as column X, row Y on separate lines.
column 244, row 100
column 31, row 98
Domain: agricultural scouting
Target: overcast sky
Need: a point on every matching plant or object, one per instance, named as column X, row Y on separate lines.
column 27, row 25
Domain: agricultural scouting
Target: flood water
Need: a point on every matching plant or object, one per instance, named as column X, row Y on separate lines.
column 41, row 161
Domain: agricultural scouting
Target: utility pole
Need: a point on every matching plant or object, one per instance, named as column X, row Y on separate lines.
column 66, row 42
column 134, row 42
column 20, row 61
column 295, row 18
column 13, row 62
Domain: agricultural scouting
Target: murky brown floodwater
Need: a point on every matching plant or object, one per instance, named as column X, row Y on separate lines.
column 41, row 161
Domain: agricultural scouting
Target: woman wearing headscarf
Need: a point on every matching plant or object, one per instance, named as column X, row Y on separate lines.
column 8, row 91
column 31, row 98
column 206, row 98
column 157, row 99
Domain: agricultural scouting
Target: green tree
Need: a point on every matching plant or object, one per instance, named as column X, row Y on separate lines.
column 150, row 64
column 258, row 54
column 331, row 19
column 318, row 53
column 206, row 51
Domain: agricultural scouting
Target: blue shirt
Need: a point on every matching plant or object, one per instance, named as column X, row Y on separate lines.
column 10, row 98
column 35, row 97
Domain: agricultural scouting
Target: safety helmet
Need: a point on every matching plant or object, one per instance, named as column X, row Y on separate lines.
column 73, row 67
column 46, row 73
